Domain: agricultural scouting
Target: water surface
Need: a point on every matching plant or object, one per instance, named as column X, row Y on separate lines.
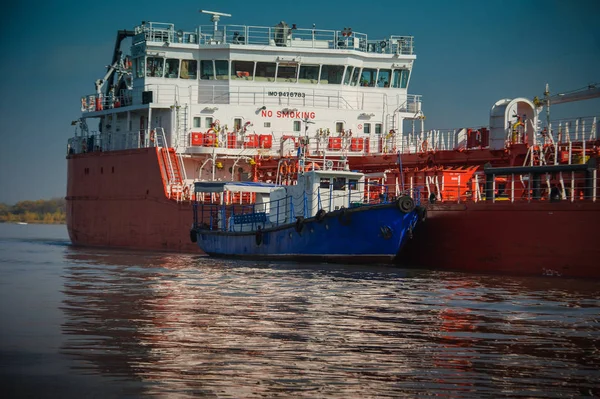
column 112, row 323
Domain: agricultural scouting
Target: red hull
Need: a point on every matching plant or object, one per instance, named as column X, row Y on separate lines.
column 522, row 238
column 117, row 199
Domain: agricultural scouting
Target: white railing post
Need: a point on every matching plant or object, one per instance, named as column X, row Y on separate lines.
column 512, row 188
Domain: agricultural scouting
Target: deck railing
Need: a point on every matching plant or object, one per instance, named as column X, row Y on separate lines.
column 280, row 35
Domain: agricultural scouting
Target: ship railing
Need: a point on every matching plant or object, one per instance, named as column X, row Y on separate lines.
column 224, row 212
column 283, row 35
column 545, row 184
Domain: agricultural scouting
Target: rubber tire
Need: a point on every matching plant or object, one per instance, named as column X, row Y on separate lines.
column 299, row 224
column 422, row 212
column 259, row 237
column 193, row 235
column 320, row 215
column 405, row 204
column 345, row 218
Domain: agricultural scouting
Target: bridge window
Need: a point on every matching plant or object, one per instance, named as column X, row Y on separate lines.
column 287, row 72
column 189, row 69
column 308, row 74
column 296, row 126
column 209, row 121
column 339, row 127
column 222, row 69
column 242, row 70
column 400, row 78
column 324, row 183
column 367, row 128
column 172, row 68
column 155, row 67
column 265, row 71
column 355, row 76
column 378, row 128
column 331, row 74
column 384, row 78
column 207, row 70
column 368, row 76
column 197, row 121
column 348, row 75
column 352, row 184
column 139, row 68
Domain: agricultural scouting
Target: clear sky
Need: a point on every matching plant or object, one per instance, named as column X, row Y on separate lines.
column 470, row 54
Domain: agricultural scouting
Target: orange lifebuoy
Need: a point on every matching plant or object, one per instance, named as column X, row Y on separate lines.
column 424, row 146
column 152, row 136
column 284, row 169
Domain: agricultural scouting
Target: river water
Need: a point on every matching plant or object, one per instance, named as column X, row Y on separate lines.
column 107, row 323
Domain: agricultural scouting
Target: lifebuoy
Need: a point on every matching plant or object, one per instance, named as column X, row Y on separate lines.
column 424, row 146
column 284, row 169
column 152, row 136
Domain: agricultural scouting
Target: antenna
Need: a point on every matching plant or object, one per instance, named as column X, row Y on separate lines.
column 216, row 16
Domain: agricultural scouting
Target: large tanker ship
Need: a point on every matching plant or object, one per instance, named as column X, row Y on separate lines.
column 236, row 103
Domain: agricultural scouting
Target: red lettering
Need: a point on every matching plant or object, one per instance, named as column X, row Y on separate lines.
column 279, row 114
column 290, row 114
column 265, row 113
column 312, row 115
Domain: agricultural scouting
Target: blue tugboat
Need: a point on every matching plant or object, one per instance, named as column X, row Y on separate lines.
column 325, row 216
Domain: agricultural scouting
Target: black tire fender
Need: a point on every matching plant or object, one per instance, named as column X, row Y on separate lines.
column 405, row 204
column 193, row 235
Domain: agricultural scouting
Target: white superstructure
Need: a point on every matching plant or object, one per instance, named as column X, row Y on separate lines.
column 222, row 94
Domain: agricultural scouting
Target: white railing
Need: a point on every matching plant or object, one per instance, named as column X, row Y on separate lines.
column 281, row 35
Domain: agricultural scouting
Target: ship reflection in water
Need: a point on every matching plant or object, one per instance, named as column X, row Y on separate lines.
column 184, row 325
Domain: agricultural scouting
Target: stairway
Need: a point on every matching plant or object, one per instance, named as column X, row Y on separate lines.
column 173, row 176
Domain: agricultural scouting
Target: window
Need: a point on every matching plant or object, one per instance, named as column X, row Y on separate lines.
column 400, row 78
column 384, row 78
column 197, row 121
column 207, row 70
column 209, row 121
column 324, row 183
column 355, row 76
column 331, row 74
column 352, row 184
column 378, row 128
column 189, row 69
column 267, row 124
column 222, row 69
column 339, row 126
column 237, row 124
column 348, row 75
column 339, row 183
column 265, row 71
column 172, row 68
column 242, row 70
column 287, row 72
column 368, row 76
column 308, row 74
column 296, row 126
column 139, row 68
column 367, row 128
column 154, row 67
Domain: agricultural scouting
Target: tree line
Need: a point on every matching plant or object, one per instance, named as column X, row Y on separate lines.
column 52, row 211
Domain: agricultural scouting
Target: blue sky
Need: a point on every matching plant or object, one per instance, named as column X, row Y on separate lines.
column 469, row 55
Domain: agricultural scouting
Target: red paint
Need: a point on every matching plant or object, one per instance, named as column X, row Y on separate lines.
column 357, row 144
column 335, row 143
column 124, row 208
column 265, row 140
column 197, row 138
column 521, row 238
